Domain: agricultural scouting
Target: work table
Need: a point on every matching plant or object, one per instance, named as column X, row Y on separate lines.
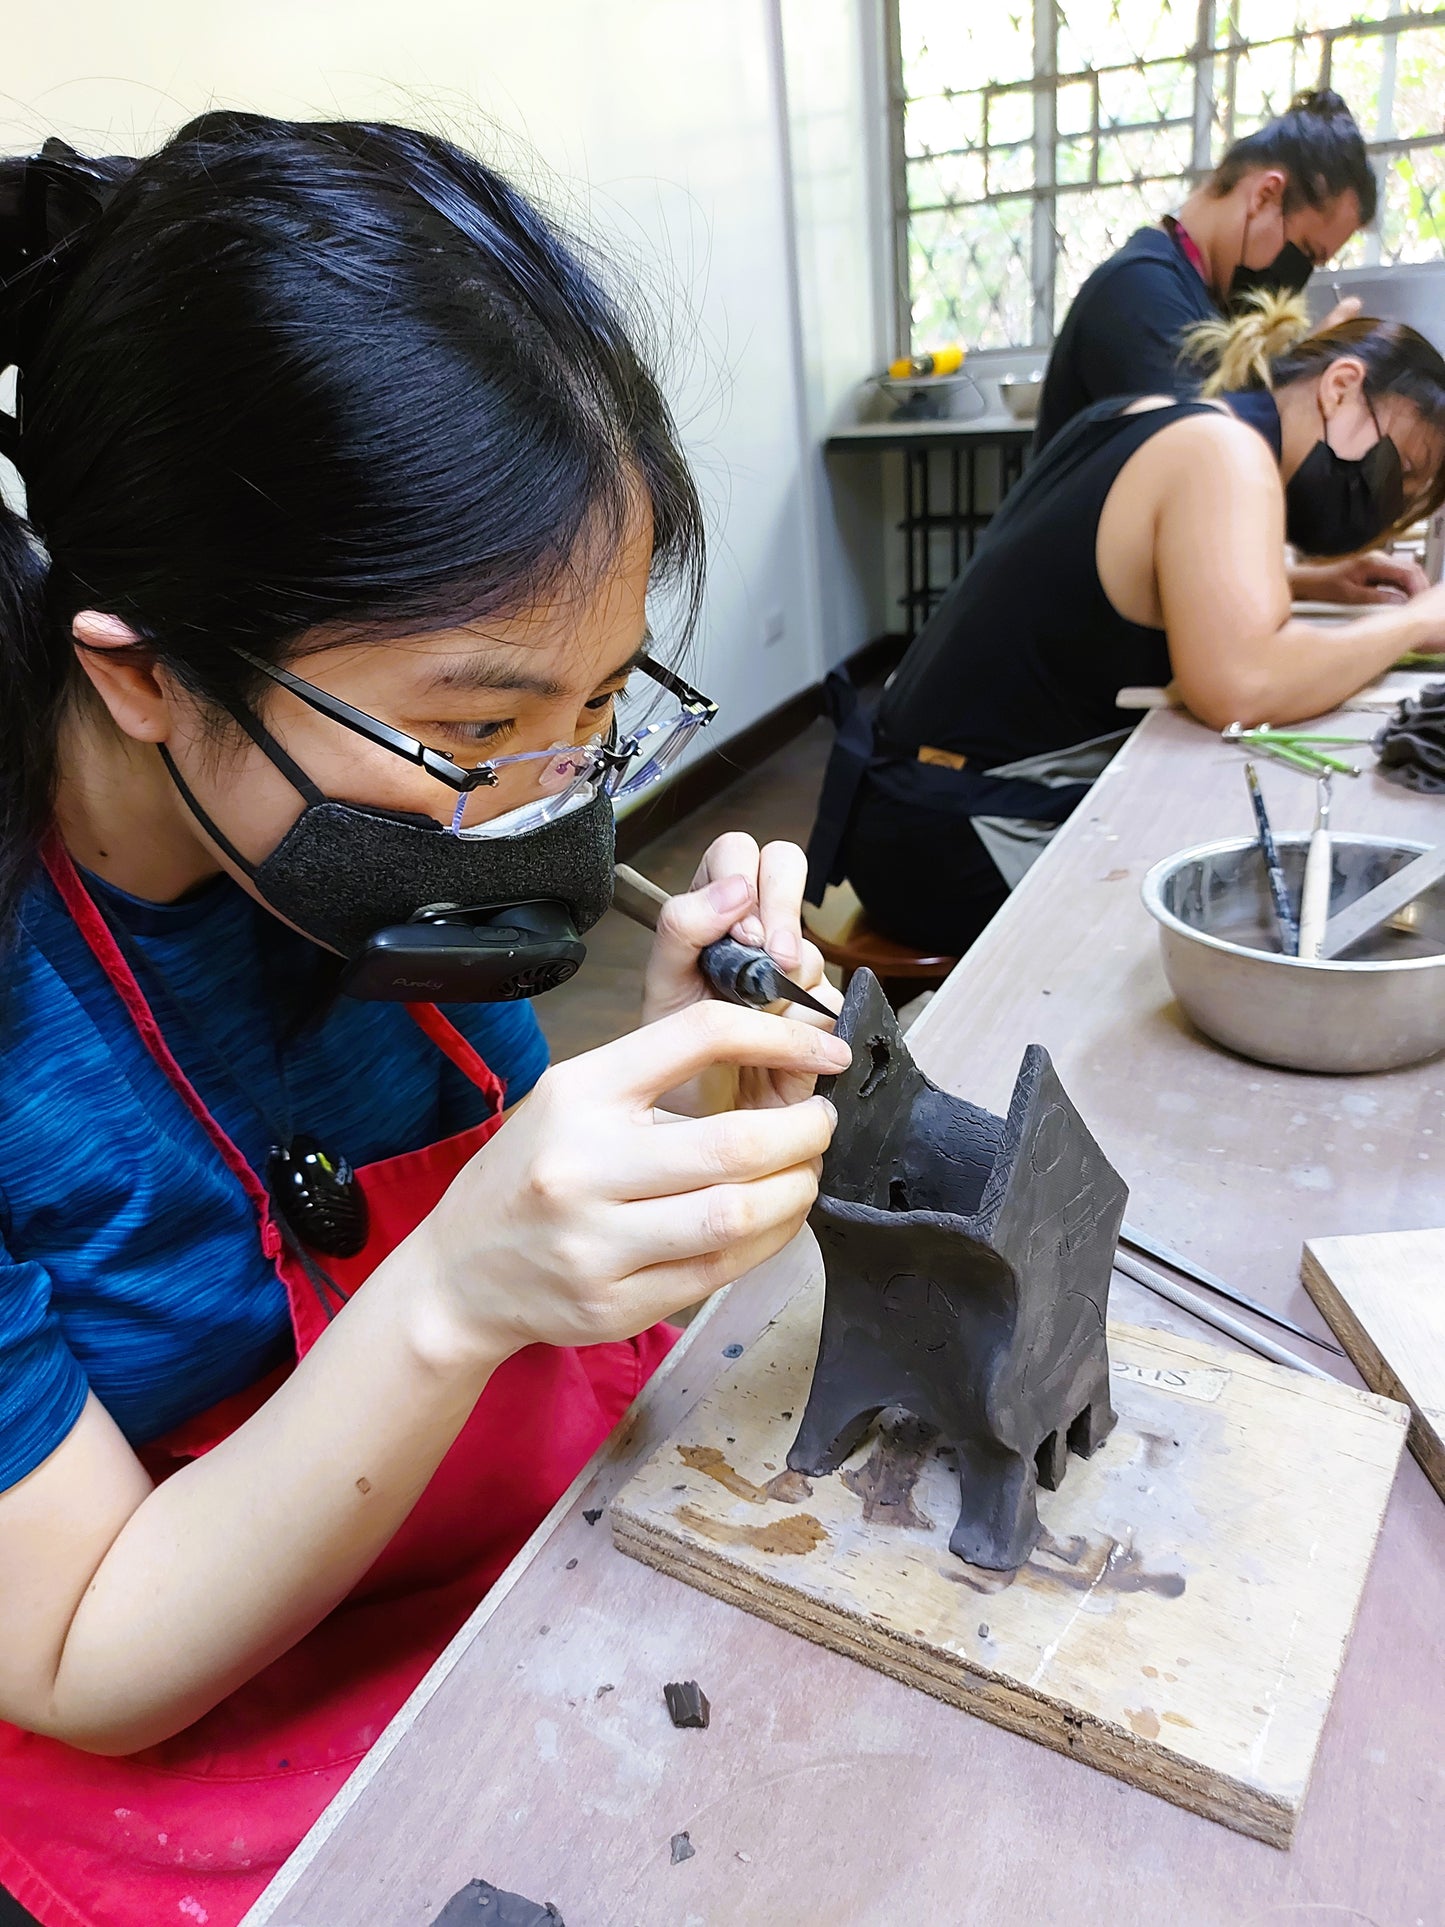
column 538, row 1753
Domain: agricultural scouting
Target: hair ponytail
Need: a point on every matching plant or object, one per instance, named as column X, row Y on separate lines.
column 1240, row 350
column 34, row 678
column 1316, row 145
column 47, row 206
column 1271, row 345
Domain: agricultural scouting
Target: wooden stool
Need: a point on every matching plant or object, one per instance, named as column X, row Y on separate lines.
column 840, row 928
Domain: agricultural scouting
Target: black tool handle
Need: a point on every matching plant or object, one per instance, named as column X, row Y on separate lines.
column 736, row 972
column 739, row 973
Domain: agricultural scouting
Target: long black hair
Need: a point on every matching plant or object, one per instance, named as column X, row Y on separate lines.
column 1317, row 145
column 285, row 374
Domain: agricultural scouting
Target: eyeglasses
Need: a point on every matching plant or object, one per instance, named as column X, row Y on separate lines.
column 654, row 717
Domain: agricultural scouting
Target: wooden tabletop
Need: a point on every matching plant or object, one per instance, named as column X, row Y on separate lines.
column 538, row 1753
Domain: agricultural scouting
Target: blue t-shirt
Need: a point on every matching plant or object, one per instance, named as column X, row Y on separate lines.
column 129, row 1260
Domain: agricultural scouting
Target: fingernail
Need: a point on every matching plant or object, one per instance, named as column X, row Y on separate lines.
column 828, row 1106
column 837, row 1052
column 782, row 949
column 729, row 894
column 752, row 933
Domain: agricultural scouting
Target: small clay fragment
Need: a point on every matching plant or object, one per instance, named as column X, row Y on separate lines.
column 687, row 1703
column 480, row 1904
column 682, row 1849
column 593, row 1515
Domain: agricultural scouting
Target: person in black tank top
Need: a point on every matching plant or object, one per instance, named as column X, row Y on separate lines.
column 1144, row 546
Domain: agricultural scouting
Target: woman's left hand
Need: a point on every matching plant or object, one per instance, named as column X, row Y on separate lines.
column 755, row 896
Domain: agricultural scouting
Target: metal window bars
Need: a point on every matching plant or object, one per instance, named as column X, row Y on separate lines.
column 1009, row 189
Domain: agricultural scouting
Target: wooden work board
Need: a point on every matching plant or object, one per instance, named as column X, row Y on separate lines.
column 1384, row 1298
column 1183, row 1620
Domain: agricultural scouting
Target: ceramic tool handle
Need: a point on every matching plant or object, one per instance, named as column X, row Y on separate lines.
column 1314, row 906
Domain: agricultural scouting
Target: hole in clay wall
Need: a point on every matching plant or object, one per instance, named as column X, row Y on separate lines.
column 898, row 1196
column 878, row 1051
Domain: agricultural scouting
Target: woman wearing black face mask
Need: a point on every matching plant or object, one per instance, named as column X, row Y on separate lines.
column 1280, row 203
column 345, row 489
column 1144, row 546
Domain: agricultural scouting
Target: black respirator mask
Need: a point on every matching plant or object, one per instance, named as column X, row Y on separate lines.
column 1336, row 504
column 461, row 915
column 1287, row 273
column 424, row 915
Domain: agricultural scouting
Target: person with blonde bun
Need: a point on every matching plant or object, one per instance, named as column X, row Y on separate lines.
column 1281, row 202
column 1145, row 545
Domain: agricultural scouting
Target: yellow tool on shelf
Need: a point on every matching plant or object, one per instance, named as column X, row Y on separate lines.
column 942, row 361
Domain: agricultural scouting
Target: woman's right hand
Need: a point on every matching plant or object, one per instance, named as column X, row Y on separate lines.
column 1428, row 609
column 591, row 1214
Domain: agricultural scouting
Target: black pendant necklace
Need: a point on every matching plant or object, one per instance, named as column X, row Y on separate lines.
column 318, row 1196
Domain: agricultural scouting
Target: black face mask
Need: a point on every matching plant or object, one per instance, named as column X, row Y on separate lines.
column 424, row 915
column 1287, row 273
column 1335, row 505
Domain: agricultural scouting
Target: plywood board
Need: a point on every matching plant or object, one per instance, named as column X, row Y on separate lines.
column 1183, row 1620
column 1384, row 1298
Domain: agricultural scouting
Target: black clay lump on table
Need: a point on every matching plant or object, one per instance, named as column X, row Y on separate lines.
column 967, row 1259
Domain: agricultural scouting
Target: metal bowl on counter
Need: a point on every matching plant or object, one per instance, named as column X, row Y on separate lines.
column 1381, row 1007
column 1020, row 394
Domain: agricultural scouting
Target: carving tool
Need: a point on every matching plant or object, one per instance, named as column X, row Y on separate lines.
column 1299, row 748
column 1314, row 903
column 1130, row 1235
column 1278, row 890
column 1385, row 901
column 736, row 971
column 1190, row 1301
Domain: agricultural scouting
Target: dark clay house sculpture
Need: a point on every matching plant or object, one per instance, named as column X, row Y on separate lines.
column 967, row 1259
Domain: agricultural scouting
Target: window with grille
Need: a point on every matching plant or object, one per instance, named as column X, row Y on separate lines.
column 1030, row 140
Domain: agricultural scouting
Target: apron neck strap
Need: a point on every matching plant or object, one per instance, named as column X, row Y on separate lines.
column 450, row 1041
column 104, row 948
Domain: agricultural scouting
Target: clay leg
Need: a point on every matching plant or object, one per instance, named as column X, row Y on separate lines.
column 826, row 1437
column 1093, row 1425
column 998, row 1525
column 1052, row 1461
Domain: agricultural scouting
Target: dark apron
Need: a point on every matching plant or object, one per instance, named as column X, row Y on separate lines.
column 909, row 776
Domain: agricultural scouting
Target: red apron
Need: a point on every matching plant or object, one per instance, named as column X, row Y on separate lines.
column 191, row 1831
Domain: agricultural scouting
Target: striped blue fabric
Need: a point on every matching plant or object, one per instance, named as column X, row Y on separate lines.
column 130, row 1264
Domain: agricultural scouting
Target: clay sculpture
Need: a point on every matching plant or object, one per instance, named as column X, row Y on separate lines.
column 967, row 1263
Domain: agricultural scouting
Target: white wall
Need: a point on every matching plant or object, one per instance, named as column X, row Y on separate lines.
column 663, row 122
column 833, row 63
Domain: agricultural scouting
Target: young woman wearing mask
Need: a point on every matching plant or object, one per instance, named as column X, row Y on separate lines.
column 345, row 489
column 1144, row 546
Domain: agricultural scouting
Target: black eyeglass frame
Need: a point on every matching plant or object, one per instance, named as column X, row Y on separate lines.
column 700, row 710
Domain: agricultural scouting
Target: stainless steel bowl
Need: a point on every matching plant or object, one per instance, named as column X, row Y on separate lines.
column 1020, row 394
column 1382, row 1007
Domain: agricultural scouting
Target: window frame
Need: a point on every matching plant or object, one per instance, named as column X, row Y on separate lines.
column 1217, row 44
